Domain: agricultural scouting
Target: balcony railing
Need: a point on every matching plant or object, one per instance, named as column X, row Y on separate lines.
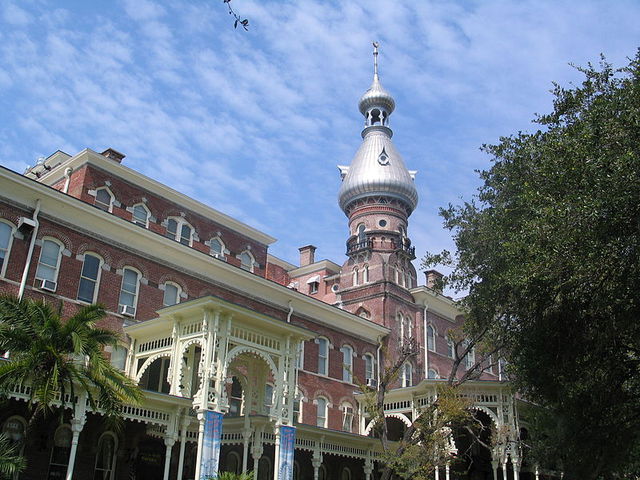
column 409, row 250
column 358, row 246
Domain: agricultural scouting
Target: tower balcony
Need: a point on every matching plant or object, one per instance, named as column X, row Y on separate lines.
column 355, row 247
column 408, row 249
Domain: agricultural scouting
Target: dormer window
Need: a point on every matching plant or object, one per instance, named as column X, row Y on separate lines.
column 179, row 230
column 217, row 248
column 140, row 215
column 104, row 199
column 246, row 261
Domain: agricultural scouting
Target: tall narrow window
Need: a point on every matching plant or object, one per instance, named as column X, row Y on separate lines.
column 246, row 261
column 140, row 215
column 60, row 452
column 407, row 375
column 361, row 235
column 365, row 274
column 235, row 398
column 347, row 363
column 6, row 239
column 450, row 348
column 369, row 369
column 470, row 357
column 431, row 338
column 104, row 199
column 129, row 291
column 300, row 356
column 171, row 294
column 355, row 276
column 217, row 248
column 89, row 278
column 268, row 398
column 321, row 412
column 347, row 417
column 323, row 356
column 106, row 457
column 48, row 265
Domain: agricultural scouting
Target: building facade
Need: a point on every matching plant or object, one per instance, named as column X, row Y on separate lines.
column 210, row 321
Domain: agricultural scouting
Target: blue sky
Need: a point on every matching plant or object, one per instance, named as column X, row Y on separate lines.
column 254, row 123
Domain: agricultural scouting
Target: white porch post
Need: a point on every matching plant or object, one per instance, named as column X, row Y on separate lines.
column 168, row 442
column 368, row 468
column 515, row 463
column 447, row 473
column 504, row 469
column 256, row 451
column 316, row 460
column 437, row 472
column 537, row 473
column 183, row 444
column 246, row 437
column 200, row 442
column 76, row 427
column 494, row 467
column 276, row 452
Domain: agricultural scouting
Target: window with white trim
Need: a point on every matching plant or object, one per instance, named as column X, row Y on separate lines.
column 432, row 374
column 140, row 215
column 346, row 474
column 347, row 363
column 48, row 264
column 321, row 412
column 179, row 230
column 450, row 348
column 89, row 278
column 361, row 235
column 300, row 356
column 347, row 417
column 60, row 452
column 217, row 248
column 407, row 375
column 323, row 356
column 369, row 368
column 365, row 274
column 246, row 261
column 233, row 463
column 106, row 456
column 431, row 338
column 268, row 398
column 104, row 199
column 355, row 276
column 297, row 407
column 235, row 398
column 470, row 357
column 6, row 239
column 129, row 291
column 172, row 292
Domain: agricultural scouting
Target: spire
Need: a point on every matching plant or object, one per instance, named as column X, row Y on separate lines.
column 376, row 104
column 375, row 60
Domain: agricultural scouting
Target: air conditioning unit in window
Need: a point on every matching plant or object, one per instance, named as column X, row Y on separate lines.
column 47, row 285
column 372, row 382
column 127, row 310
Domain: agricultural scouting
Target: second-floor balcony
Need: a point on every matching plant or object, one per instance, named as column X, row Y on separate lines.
column 357, row 246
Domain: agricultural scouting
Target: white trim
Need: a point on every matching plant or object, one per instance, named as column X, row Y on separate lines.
column 96, row 286
column 12, row 232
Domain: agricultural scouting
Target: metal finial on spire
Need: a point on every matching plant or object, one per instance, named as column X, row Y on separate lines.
column 375, row 58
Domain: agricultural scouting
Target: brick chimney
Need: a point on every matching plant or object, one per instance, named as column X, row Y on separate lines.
column 307, row 255
column 114, row 155
column 433, row 280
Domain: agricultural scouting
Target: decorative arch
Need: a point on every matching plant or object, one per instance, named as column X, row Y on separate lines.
column 147, row 363
column 86, row 247
column 399, row 416
column 132, row 263
column 188, row 343
column 240, row 349
column 168, row 277
column 492, row 415
column 55, row 234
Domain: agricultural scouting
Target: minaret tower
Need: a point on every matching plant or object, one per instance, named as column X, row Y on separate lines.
column 378, row 195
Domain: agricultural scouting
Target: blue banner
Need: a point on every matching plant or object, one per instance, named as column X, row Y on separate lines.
column 287, row 447
column 211, row 444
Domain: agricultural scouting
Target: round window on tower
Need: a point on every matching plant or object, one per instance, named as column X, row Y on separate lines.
column 382, row 223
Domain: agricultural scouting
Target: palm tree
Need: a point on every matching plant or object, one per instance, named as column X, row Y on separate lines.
column 233, row 476
column 10, row 461
column 59, row 359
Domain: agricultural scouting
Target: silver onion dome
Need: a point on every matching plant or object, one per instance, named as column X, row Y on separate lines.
column 377, row 170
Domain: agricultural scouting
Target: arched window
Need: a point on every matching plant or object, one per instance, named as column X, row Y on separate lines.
column 470, row 357
column 347, row 363
column 104, row 199
column 89, row 278
column 361, row 235
column 365, row 274
column 264, row 468
column 407, row 375
column 129, row 291
column 48, row 265
column 369, row 369
column 6, row 239
column 321, row 412
column 431, row 338
column 15, row 429
column 296, row 470
column 407, row 279
column 401, row 277
column 235, row 398
column 140, row 215
column 322, row 473
column 106, row 457
column 406, row 328
column 347, row 417
column 172, row 293
column 450, row 348
column 432, row 374
column 179, row 230
column 268, row 398
column 233, row 463
column 345, row 474
column 217, row 248
column 355, row 276
column 323, row 356
column 246, row 261
column 60, row 452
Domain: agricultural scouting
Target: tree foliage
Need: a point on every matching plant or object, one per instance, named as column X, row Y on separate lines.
column 10, row 460
column 58, row 359
column 549, row 253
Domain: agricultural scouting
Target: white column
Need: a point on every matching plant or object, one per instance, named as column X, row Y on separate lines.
column 276, row 453
column 437, row 473
column 200, row 442
column 246, row 436
column 504, row 469
column 316, row 460
column 537, row 473
column 183, row 444
column 76, row 428
column 516, row 468
column 368, row 468
column 447, row 473
column 256, row 451
column 168, row 443
column 494, row 467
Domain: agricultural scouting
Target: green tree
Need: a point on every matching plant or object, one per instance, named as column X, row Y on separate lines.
column 10, row 460
column 58, row 359
column 549, row 253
